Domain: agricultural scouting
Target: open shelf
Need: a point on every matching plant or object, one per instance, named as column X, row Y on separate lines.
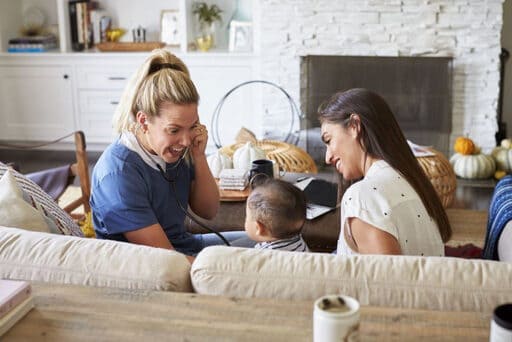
column 146, row 14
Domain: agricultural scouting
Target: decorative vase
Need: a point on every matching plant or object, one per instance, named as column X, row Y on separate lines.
column 206, row 36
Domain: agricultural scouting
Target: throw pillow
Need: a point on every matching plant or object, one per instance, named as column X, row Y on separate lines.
column 34, row 195
column 14, row 211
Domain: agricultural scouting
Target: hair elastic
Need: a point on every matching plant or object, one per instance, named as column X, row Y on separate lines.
column 157, row 67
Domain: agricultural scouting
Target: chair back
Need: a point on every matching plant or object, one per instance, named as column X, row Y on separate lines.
column 81, row 168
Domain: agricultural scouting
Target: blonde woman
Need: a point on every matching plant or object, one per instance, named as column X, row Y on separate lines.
column 144, row 181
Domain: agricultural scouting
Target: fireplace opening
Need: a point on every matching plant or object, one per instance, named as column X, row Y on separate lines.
column 418, row 90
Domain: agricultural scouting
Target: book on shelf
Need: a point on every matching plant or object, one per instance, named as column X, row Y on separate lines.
column 15, row 302
column 80, row 23
column 28, row 49
column 47, row 39
column 32, row 43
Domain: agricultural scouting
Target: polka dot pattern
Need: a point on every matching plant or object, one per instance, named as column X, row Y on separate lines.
column 385, row 200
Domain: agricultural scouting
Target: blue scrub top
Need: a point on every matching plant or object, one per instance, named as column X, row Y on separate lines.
column 128, row 194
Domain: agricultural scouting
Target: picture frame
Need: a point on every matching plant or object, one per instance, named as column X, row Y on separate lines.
column 240, row 36
column 171, row 27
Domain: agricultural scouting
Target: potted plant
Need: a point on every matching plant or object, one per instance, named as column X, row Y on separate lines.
column 207, row 16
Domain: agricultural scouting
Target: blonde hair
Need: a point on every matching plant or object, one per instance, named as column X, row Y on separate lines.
column 162, row 78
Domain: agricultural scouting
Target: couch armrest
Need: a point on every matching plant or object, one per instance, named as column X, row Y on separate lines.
column 73, row 260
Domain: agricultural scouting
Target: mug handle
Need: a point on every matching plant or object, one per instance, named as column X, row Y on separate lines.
column 253, row 172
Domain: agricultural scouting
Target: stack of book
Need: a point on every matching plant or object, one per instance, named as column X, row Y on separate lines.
column 81, row 26
column 15, row 302
column 32, row 43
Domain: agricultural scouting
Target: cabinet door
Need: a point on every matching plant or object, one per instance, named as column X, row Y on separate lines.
column 213, row 82
column 36, row 102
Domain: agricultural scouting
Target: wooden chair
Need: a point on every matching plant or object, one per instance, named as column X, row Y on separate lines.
column 81, row 170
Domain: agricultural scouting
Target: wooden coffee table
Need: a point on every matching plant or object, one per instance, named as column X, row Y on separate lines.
column 77, row 313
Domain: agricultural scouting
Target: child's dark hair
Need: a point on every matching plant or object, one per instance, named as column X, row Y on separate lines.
column 280, row 206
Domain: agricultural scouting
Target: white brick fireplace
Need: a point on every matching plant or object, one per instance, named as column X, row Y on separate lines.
column 469, row 31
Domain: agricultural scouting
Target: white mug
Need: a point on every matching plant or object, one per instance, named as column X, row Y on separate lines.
column 501, row 324
column 336, row 318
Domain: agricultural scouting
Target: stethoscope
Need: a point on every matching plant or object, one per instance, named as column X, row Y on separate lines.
column 173, row 186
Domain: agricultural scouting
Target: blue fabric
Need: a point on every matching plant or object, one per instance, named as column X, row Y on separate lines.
column 194, row 243
column 127, row 194
column 500, row 213
column 53, row 181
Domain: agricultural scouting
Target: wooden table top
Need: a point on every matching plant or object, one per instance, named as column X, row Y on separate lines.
column 77, row 313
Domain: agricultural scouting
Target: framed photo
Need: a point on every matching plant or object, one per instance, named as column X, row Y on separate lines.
column 170, row 27
column 240, row 36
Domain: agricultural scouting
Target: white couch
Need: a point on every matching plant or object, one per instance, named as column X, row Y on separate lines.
column 76, row 260
column 398, row 281
column 435, row 283
column 443, row 283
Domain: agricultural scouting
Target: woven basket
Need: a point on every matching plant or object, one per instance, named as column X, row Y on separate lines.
column 290, row 158
column 441, row 175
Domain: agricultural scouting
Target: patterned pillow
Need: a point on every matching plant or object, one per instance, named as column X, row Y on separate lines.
column 34, row 195
column 15, row 211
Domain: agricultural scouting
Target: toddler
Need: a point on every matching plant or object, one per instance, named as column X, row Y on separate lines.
column 275, row 215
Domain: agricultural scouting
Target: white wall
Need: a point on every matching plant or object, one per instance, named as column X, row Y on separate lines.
column 468, row 30
column 506, row 42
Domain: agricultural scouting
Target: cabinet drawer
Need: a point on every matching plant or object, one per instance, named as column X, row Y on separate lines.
column 106, row 77
column 95, row 112
column 96, row 102
column 97, row 128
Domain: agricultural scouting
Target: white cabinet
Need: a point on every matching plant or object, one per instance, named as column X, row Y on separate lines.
column 36, row 102
column 99, row 88
column 44, row 96
column 213, row 79
column 100, row 82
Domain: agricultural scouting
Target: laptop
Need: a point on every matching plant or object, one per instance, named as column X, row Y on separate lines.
column 321, row 196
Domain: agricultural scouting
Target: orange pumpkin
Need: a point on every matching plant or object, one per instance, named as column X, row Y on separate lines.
column 464, row 146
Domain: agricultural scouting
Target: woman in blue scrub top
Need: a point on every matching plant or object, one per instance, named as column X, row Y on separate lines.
column 156, row 168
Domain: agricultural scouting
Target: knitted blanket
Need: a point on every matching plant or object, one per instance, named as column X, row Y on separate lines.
column 500, row 213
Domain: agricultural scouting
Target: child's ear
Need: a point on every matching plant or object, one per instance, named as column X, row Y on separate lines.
column 261, row 229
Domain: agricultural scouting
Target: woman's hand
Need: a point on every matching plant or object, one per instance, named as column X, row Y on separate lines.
column 198, row 145
column 204, row 193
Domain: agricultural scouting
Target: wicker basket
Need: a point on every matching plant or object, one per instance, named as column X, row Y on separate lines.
column 440, row 173
column 289, row 157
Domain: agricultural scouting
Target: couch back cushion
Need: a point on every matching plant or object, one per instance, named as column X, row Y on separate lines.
column 432, row 283
column 65, row 259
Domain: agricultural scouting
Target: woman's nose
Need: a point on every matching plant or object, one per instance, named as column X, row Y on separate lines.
column 328, row 156
column 186, row 139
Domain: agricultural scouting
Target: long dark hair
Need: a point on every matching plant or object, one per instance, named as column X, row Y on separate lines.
column 381, row 137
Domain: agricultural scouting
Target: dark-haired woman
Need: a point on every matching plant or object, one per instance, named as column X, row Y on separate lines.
column 388, row 205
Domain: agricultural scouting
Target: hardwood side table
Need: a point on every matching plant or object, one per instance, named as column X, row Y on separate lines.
column 78, row 313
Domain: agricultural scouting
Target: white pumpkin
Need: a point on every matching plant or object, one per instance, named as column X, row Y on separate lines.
column 244, row 156
column 506, row 143
column 503, row 157
column 474, row 166
column 219, row 161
